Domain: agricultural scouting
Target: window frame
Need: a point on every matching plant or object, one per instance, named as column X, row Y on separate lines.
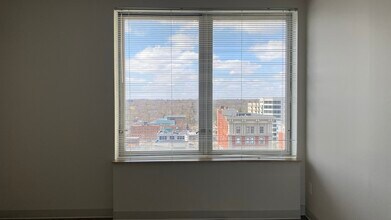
column 205, row 77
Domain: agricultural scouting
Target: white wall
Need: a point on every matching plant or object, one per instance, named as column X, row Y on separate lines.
column 56, row 98
column 349, row 109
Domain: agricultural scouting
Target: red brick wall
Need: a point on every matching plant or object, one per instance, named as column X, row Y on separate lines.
column 222, row 129
column 144, row 132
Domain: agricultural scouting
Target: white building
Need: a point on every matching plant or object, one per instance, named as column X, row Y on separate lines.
column 272, row 106
column 249, row 130
column 172, row 136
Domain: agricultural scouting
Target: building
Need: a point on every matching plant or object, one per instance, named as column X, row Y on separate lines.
column 163, row 122
column 145, row 132
column 193, row 136
column 273, row 106
column 172, row 136
column 180, row 121
column 222, row 128
column 167, row 129
column 222, row 125
column 249, row 130
column 234, row 129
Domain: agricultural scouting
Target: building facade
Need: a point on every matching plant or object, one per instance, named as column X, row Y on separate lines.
column 145, row 132
column 172, row 136
column 273, row 106
column 249, row 130
column 236, row 130
column 222, row 128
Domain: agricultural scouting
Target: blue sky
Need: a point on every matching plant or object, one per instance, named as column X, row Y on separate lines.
column 161, row 59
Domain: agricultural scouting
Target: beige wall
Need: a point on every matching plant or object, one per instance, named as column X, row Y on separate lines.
column 207, row 189
column 349, row 109
column 56, row 97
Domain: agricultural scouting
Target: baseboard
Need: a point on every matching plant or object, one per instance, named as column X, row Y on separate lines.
column 310, row 215
column 274, row 214
column 56, row 214
column 302, row 210
column 108, row 213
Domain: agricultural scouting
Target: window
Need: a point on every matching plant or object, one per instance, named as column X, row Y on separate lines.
column 250, row 129
column 261, row 130
column 237, row 129
column 249, row 140
column 187, row 81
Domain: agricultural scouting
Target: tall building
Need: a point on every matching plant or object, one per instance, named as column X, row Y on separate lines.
column 268, row 106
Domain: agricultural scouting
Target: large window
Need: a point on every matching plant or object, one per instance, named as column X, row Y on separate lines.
column 203, row 82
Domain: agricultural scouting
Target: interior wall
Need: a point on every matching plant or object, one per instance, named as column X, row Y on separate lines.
column 214, row 189
column 56, row 97
column 348, row 108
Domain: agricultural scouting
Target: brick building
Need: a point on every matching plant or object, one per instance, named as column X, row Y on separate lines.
column 145, row 132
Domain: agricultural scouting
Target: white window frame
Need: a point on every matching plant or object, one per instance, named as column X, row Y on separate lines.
column 205, row 81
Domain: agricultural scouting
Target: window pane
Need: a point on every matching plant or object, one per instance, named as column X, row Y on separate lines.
column 249, row 83
column 161, row 83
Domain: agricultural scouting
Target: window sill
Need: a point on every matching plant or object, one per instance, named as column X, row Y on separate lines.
column 206, row 158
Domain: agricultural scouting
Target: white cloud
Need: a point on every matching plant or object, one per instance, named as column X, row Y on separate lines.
column 247, row 88
column 162, row 60
column 165, row 69
column 235, row 66
column 272, row 50
column 159, row 70
column 180, row 58
column 251, row 26
column 184, row 41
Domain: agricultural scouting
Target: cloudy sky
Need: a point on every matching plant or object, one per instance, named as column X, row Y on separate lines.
column 161, row 59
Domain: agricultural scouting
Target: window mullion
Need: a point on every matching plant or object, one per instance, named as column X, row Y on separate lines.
column 288, row 81
column 205, row 84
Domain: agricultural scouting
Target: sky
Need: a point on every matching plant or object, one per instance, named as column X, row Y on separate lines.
column 161, row 58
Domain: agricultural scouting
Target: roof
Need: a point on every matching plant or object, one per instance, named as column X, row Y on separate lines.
column 163, row 121
column 175, row 116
